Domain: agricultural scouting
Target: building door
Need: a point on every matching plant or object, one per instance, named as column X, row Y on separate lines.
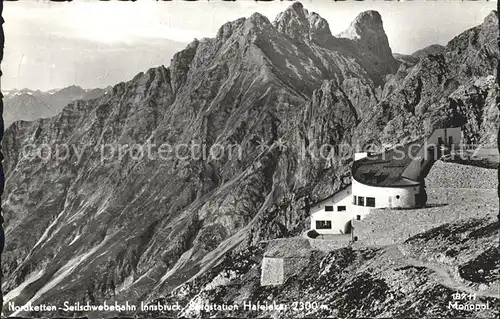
column 348, row 227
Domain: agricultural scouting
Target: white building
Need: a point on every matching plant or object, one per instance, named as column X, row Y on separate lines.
column 391, row 179
column 333, row 214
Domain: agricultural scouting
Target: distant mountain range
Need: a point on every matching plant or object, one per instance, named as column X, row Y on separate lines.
column 28, row 105
column 415, row 57
column 121, row 229
column 431, row 49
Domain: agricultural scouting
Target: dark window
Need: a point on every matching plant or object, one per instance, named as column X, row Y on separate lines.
column 370, row 201
column 355, row 238
column 358, row 217
column 361, row 201
column 341, row 208
column 323, row 224
column 397, row 196
column 354, row 199
column 329, row 208
column 450, row 140
column 440, row 141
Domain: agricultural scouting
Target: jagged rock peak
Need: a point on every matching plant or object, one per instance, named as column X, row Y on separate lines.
column 370, row 17
column 490, row 23
column 492, row 17
column 298, row 23
column 367, row 32
column 258, row 17
column 254, row 25
column 366, row 22
column 227, row 29
column 257, row 21
column 180, row 63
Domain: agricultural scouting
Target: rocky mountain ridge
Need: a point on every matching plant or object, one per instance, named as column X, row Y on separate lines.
column 135, row 228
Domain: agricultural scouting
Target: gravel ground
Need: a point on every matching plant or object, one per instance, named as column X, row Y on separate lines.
column 451, row 175
column 454, row 191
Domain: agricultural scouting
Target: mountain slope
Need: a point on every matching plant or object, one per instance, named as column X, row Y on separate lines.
column 450, row 89
column 388, row 281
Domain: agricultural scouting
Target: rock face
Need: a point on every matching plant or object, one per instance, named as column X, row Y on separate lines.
column 428, row 92
column 297, row 23
column 105, row 223
column 367, row 32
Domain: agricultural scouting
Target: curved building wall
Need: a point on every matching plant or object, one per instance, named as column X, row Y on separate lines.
column 394, row 197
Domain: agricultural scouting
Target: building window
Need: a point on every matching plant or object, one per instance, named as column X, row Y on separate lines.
column 397, row 196
column 341, row 208
column 361, row 201
column 354, row 199
column 440, row 141
column 358, row 217
column 450, row 140
column 370, row 201
column 328, row 208
column 323, row 224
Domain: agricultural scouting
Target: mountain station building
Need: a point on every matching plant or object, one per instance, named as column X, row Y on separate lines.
column 391, row 179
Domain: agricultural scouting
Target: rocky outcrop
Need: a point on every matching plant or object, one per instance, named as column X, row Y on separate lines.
column 179, row 66
column 422, row 97
column 367, row 32
column 336, row 113
column 475, row 51
column 472, row 106
column 297, row 23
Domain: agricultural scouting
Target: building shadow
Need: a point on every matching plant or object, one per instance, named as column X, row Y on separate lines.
column 414, row 208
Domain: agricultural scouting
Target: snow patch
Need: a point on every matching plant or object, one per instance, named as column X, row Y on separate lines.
column 184, row 260
column 61, row 274
column 17, row 291
column 221, row 279
column 292, row 67
column 75, row 239
column 310, row 67
column 45, row 234
column 129, row 281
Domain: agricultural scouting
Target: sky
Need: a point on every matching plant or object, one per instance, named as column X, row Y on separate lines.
column 93, row 44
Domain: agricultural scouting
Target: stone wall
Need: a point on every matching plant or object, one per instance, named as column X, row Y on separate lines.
column 286, row 257
column 330, row 244
column 272, row 272
column 389, row 226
